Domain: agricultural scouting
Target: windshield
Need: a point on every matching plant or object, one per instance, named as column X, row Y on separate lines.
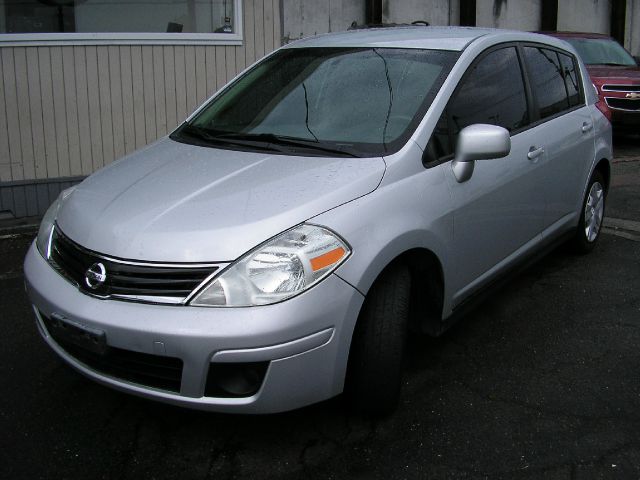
column 601, row 51
column 324, row 101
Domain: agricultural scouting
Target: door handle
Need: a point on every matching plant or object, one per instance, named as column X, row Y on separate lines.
column 535, row 152
column 586, row 126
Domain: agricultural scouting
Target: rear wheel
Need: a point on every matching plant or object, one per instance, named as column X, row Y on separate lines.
column 374, row 375
column 591, row 215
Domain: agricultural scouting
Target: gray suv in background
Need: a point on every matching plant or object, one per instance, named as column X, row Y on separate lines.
column 276, row 249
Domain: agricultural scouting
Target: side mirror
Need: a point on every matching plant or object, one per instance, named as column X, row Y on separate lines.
column 479, row 142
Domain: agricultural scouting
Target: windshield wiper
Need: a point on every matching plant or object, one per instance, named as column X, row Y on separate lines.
column 211, row 138
column 263, row 141
column 280, row 140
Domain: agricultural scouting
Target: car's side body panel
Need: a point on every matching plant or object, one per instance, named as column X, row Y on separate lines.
column 413, row 208
column 555, row 183
column 569, row 145
column 497, row 211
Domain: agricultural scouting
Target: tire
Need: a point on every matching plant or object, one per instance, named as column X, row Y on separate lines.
column 374, row 374
column 591, row 215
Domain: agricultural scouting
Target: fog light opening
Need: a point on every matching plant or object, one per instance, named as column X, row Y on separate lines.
column 235, row 380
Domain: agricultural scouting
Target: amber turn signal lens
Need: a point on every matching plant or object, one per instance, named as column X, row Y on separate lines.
column 326, row 259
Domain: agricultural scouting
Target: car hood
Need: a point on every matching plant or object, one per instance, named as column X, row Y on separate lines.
column 173, row 202
column 609, row 73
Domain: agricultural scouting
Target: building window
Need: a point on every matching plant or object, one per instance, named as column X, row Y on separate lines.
column 129, row 21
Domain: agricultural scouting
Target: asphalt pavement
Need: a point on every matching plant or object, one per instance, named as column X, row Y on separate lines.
column 540, row 381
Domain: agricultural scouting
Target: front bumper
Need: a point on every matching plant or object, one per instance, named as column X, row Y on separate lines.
column 305, row 340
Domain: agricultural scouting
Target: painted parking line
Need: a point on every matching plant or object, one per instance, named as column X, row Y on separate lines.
column 10, row 275
column 630, row 225
column 10, row 236
column 628, row 229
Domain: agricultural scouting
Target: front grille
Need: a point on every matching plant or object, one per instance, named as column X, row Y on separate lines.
column 156, row 371
column 621, row 88
column 623, row 104
column 124, row 279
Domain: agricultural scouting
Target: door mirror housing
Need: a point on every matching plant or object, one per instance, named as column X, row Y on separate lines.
column 479, row 142
column 482, row 142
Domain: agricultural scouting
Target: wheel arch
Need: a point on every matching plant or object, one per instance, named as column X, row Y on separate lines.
column 604, row 167
column 425, row 310
column 426, row 299
column 427, row 296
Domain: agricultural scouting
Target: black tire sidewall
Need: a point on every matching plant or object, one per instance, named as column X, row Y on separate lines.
column 374, row 374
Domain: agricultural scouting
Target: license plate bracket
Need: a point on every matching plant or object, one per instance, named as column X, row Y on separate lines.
column 91, row 339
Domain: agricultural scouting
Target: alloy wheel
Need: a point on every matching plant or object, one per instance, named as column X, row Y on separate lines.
column 594, row 211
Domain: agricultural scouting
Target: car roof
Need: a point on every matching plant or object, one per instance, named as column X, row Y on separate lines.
column 437, row 38
column 576, row 34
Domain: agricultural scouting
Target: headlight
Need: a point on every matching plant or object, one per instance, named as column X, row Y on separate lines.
column 43, row 241
column 282, row 267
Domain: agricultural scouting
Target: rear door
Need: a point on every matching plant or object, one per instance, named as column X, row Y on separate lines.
column 564, row 122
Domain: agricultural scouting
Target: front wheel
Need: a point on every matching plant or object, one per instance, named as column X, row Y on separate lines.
column 591, row 215
column 374, row 374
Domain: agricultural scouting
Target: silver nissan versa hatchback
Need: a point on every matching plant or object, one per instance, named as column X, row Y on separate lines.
column 276, row 249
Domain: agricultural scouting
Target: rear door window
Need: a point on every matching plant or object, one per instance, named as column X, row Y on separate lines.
column 571, row 80
column 547, row 81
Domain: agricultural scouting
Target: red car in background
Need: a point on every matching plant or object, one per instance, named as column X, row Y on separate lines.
column 616, row 75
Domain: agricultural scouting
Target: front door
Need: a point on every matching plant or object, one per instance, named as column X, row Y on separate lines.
column 500, row 209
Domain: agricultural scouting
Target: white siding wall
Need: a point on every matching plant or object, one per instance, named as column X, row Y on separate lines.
column 69, row 110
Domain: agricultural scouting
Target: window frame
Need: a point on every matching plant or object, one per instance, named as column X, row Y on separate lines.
column 533, row 109
column 576, row 66
column 465, row 76
column 130, row 38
